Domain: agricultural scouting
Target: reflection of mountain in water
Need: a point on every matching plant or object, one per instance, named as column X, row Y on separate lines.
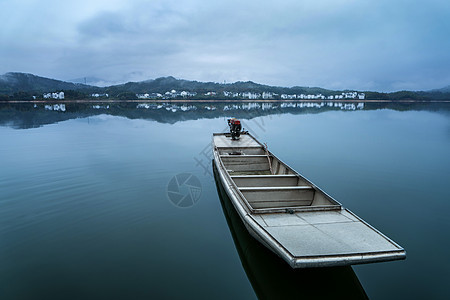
column 273, row 278
column 35, row 115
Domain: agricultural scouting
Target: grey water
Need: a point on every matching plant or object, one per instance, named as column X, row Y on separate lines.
column 87, row 207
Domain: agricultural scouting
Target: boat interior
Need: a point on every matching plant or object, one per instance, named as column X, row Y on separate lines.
column 269, row 184
column 289, row 214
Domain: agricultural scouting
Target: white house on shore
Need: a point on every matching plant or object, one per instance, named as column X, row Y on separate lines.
column 267, row 95
column 96, row 95
column 56, row 95
column 250, row 95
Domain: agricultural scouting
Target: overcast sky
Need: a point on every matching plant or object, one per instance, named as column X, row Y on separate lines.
column 381, row 45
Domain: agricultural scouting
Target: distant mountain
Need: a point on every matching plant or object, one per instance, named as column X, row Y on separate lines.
column 11, row 83
column 22, row 86
column 442, row 90
column 164, row 84
column 92, row 81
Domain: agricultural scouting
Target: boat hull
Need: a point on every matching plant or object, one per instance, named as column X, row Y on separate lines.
column 272, row 278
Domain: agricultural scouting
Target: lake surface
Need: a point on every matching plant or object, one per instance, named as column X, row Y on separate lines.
column 89, row 207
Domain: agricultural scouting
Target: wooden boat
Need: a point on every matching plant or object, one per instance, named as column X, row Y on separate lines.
column 272, row 278
column 289, row 214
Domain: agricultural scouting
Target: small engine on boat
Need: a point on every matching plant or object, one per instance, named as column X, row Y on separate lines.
column 235, row 128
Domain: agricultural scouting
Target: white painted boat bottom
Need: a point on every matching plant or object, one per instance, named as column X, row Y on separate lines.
column 289, row 214
column 323, row 234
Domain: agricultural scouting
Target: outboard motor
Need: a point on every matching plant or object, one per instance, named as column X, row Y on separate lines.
column 235, row 128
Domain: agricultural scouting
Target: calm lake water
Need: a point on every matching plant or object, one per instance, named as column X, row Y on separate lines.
column 87, row 207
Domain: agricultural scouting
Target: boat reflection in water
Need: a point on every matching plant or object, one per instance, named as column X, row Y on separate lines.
column 272, row 278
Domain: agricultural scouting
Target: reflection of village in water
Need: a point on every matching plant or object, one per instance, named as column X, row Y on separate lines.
column 250, row 106
column 31, row 115
column 228, row 107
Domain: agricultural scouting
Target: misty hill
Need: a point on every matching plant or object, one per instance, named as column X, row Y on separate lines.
column 441, row 90
column 12, row 82
column 164, row 84
column 91, row 81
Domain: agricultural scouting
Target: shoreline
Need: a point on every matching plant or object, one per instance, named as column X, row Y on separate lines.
column 222, row 101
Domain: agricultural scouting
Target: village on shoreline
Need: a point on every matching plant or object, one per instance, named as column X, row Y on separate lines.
column 21, row 87
column 214, row 96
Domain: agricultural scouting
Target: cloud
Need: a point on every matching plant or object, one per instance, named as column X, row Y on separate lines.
column 381, row 45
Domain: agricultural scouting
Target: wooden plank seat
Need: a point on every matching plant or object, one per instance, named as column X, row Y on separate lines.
column 275, row 188
column 246, row 163
column 241, row 151
column 278, row 197
column 268, row 180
